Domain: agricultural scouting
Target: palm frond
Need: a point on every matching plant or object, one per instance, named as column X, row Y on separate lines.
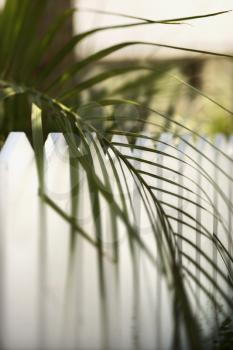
column 108, row 149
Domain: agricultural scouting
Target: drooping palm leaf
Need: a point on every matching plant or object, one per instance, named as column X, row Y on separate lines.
column 18, row 42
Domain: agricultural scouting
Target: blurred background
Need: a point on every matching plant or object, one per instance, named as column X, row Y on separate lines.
column 163, row 89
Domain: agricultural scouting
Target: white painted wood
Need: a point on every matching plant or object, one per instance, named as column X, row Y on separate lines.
column 20, row 235
column 54, row 294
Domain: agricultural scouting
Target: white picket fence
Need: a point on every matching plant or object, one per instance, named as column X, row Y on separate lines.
column 50, row 298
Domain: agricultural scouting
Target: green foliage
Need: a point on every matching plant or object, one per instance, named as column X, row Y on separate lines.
column 36, row 102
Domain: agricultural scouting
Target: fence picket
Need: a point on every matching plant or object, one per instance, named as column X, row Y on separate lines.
column 20, row 242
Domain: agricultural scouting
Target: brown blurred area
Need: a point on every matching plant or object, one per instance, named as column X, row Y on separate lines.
column 54, row 9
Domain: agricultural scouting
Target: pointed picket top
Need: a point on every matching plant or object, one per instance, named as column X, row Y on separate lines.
column 164, row 139
column 94, row 134
column 166, row 136
column 98, row 156
column 121, row 139
column 49, row 143
column 200, row 142
column 146, row 140
column 91, row 138
column 220, row 141
column 95, row 143
column 55, row 144
column 183, row 143
column 205, row 154
column 56, row 169
column 140, row 141
column 104, row 158
column 198, row 160
column 16, row 150
column 187, row 153
column 143, row 154
column 231, row 139
column 165, row 145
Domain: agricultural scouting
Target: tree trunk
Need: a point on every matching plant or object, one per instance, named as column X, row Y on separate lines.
column 54, row 9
